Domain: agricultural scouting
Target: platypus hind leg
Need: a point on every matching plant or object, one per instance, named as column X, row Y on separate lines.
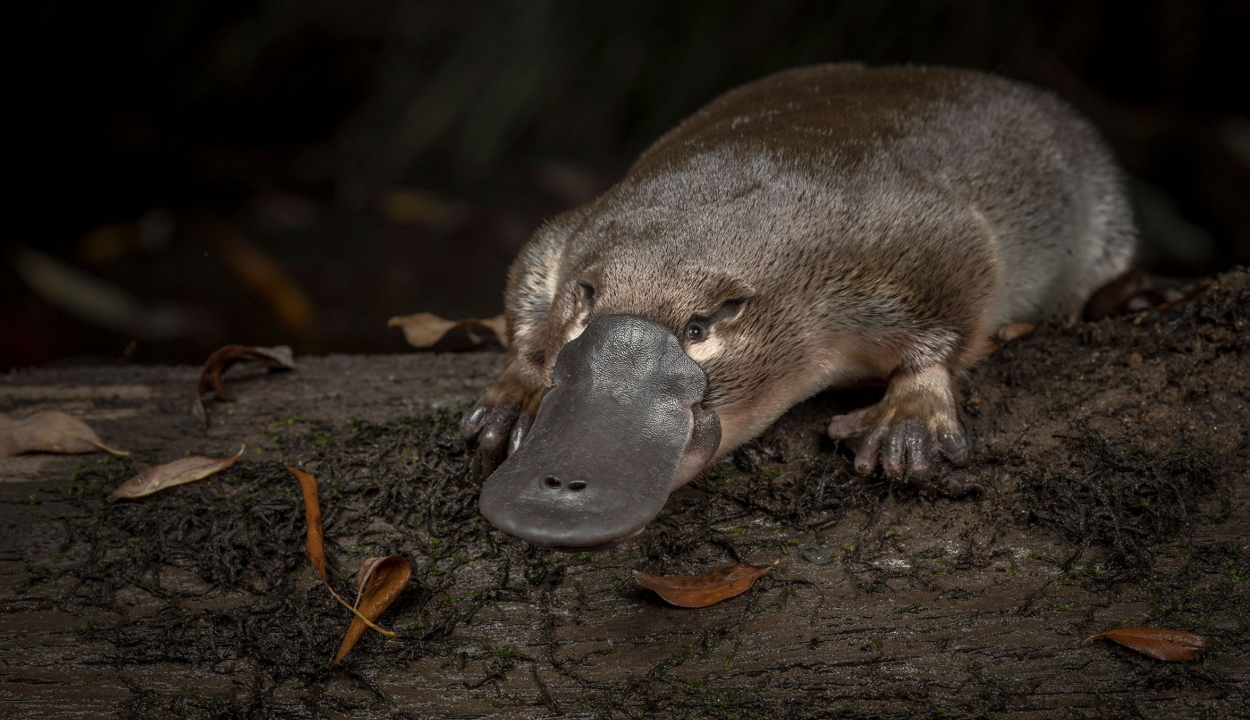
column 910, row 429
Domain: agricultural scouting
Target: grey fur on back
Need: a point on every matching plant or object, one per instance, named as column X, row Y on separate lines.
column 880, row 219
column 1024, row 160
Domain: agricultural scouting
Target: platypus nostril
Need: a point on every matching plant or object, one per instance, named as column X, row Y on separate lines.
column 577, row 485
column 551, row 481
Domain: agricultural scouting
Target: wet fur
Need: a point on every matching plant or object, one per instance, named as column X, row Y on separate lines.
column 874, row 223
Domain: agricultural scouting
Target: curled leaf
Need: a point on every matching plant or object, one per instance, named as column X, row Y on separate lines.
column 178, row 472
column 703, row 590
column 49, row 431
column 422, row 329
column 275, row 358
column 1158, row 643
column 314, row 540
column 381, row 579
column 425, row 329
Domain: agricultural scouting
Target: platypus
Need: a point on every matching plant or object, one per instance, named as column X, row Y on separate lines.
column 821, row 227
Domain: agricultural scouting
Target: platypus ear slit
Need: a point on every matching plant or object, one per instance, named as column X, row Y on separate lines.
column 729, row 308
column 731, row 293
column 588, row 290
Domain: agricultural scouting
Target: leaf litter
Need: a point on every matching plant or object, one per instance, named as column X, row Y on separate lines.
column 279, row 357
column 264, row 275
column 425, row 329
column 171, row 474
column 50, row 431
column 707, row 589
column 314, row 540
column 380, row 579
column 1158, row 643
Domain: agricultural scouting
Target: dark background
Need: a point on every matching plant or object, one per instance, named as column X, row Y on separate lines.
column 187, row 173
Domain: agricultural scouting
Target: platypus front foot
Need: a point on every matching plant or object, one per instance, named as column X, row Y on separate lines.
column 497, row 424
column 910, row 430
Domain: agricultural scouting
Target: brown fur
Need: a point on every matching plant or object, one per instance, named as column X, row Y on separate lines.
column 829, row 225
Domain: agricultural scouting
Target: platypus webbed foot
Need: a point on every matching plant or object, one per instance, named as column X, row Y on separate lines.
column 910, row 430
column 498, row 423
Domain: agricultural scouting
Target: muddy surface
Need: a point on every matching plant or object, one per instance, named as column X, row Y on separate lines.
column 1108, row 487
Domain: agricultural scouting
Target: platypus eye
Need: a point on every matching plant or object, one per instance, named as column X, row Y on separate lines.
column 695, row 332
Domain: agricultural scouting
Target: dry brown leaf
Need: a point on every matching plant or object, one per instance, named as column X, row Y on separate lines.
column 410, row 206
column 499, row 326
column 178, row 472
column 1158, row 643
column 49, row 431
column 152, row 233
column 314, row 541
column 703, row 590
column 422, row 329
column 1015, row 331
column 381, row 580
column 425, row 329
column 79, row 293
column 275, row 358
column 266, row 277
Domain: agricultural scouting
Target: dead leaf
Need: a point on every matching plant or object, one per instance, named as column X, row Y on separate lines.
column 425, row 329
column 79, row 293
column 410, row 206
column 99, row 301
column 497, row 325
column 1158, row 643
column 49, row 431
column 150, row 233
column 703, row 590
column 381, row 579
column 178, row 472
column 275, row 358
column 313, row 542
column 266, row 277
column 1015, row 331
column 422, row 329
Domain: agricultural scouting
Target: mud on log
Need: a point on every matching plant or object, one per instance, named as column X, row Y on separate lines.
column 1111, row 459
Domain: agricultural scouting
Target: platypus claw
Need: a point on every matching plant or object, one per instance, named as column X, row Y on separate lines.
column 471, row 423
column 522, row 426
column 904, row 448
column 498, row 432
